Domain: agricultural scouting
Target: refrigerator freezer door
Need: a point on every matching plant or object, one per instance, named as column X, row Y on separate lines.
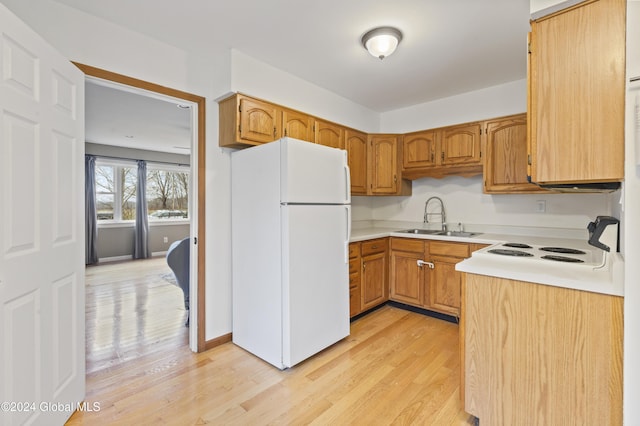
column 313, row 173
column 315, row 279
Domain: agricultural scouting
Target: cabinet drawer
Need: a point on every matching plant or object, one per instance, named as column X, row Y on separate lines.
column 354, row 302
column 354, row 280
column 449, row 249
column 354, row 266
column 374, row 246
column 354, row 250
column 407, row 244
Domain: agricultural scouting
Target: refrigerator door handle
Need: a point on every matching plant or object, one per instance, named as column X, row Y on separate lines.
column 347, row 180
column 348, row 236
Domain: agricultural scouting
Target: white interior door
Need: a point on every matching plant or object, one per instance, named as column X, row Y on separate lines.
column 41, row 229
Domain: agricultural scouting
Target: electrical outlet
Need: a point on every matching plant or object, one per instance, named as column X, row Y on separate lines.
column 166, row 239
column 541, row 206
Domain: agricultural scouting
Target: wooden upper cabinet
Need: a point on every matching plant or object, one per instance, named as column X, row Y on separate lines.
column 259, row 121
column 505, row 167
column 453, row 150
column 356, row 144
column 245, row 121
column 577, row 94
column 297, row 125
column 419, row 149
column 461, row 144
column 383, row 164
column 329, row 134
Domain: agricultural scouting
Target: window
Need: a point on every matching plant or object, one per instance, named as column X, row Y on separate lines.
column 167, row 192
column 115, row 191
column 167, row 189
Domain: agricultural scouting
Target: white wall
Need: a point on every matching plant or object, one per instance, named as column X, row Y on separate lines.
column 465, row 203
column 496, row 101
column 96, row 42
column 258, row 79
column 93, row 41
column 562, row 210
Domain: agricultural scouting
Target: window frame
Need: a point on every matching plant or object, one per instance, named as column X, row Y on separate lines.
column 117, row 165
column 171, row 168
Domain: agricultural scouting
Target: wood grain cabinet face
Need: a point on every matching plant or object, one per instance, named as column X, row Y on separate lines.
column 356, row 143
column 505, row 167
column 259, row 121
column 329, row 134
column 407, row 278
column 383, row 164
column 244, row 121
column 419, row 149
column 461, row 145
column 576, row 94
column 374, row 282
column 297, row 125
column 355, row 264
column 550, row 355
column 444, row 280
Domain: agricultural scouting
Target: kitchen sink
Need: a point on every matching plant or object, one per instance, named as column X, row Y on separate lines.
column 438, row 232
column 422, row 231
column 458, row 233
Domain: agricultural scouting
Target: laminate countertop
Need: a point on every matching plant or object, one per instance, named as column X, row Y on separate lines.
column 608, row 279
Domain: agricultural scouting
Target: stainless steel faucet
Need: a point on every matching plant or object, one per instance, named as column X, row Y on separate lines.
column 441, row 214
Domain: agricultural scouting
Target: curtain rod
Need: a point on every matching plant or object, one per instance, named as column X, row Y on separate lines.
column 136, row 159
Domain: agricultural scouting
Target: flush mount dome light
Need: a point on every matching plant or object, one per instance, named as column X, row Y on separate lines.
column 381, row 42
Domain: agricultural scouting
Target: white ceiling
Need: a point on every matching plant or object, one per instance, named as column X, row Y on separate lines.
column 449, row 46
column 133, row 119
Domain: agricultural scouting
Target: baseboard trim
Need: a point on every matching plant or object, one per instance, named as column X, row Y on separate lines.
column 220, row 340
column 115, row 259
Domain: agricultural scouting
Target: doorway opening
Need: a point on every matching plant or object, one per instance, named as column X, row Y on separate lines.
column 196, row 331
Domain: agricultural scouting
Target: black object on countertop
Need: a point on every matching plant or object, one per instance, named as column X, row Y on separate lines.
column 597, row 227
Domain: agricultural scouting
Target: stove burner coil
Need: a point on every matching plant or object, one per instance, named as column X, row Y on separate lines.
column 504, row 252
column 562, row 250
column 562, row 259
column 517, row 245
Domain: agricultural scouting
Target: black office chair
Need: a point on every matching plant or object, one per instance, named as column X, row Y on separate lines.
column 178, row 261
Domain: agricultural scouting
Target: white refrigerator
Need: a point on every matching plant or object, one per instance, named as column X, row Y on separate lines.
column 291, row 223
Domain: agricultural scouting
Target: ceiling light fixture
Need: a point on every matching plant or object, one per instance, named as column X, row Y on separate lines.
column 381, row 42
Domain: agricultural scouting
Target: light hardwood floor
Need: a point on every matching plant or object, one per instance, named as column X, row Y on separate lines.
column 131, row 311
column 396, row 367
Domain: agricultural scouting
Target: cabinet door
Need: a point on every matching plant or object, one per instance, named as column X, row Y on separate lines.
column 419, row 149
column 297, row 125
column 329, row 134
column 576, row 94
column 505, row 167
column 407, row 278
column 373, row 285
column 259, row 121
column 444, row 285
column 383, row 164
column 461, row 145
column 356, row 143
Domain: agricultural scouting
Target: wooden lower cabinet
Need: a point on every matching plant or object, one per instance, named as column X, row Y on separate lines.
column 374, row 288
column 541, row 355
column 444, row 280
column 407, row 277
column 354, row 279
column 435, row 285
column 368, row 274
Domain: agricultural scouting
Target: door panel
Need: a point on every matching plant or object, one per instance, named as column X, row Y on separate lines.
column 41, row 231
column 315, row 279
